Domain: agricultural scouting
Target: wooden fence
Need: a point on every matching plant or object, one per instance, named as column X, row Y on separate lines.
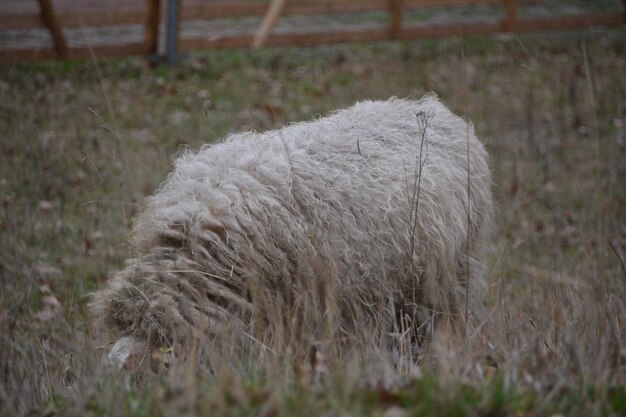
column 151, row 14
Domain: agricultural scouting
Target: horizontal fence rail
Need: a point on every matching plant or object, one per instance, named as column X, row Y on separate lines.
column 62, row 16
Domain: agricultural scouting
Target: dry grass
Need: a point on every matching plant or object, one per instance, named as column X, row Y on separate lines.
column 81, row 148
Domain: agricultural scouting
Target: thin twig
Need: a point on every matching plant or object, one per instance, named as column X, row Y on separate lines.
column 423, row 121
column 619, row 258
column 469, row 223
column 469, row 195
column 263, row 345
column 45, row 365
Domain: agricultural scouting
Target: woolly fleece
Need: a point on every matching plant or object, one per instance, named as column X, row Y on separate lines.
column 309, row 233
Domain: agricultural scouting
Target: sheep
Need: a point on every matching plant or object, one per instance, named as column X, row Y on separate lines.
column 337, row 229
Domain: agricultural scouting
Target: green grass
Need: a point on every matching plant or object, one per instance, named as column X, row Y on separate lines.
column 426, row 396
column 83, row 143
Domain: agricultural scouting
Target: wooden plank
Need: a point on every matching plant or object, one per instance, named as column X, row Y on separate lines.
column 363, row 35
column 395, row 9
column 449, row 3
column 218, row 10
column 49, row 17
column 569, row 22
column 109, row 51
column 80, row 18
column 286, row 39
column 241, row 8
column 21, row 20
column 332, row 6
column 13, row 56
column 215, row 42
column 77, row 18
column 451, row 30
column 269, row 22
column 461, row 3
column 511, row 14
column 151, row 33
column 100, row 51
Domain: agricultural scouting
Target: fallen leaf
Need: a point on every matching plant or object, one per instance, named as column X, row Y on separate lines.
column 388, row 397
column 51, row 305
column 45, row 206
column 45, row 270
column 395, row 411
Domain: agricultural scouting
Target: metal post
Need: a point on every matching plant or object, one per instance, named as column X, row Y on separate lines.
column 172, row 31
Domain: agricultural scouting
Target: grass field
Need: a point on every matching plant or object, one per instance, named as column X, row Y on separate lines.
column 81, row 145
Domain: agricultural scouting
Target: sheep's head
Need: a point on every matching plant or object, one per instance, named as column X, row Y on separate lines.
column 132, row 353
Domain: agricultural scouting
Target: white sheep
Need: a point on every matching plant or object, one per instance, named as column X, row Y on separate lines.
column 333, row 229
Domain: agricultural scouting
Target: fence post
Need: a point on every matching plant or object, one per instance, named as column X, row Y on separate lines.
column 395, row 8
column 49, row 17
column 269, row 21
column 173, row 13
column 511, row 15
column 151, row 34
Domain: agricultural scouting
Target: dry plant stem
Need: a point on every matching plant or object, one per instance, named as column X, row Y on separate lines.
column 422, row 125
column 619, row 258
column 110, row 108
column 468, row 208
column 469, row 222
column 598, row 158
column 599, row 198
column 422, row 120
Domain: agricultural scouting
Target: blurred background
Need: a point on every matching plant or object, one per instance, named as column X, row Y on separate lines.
column 97, row 99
